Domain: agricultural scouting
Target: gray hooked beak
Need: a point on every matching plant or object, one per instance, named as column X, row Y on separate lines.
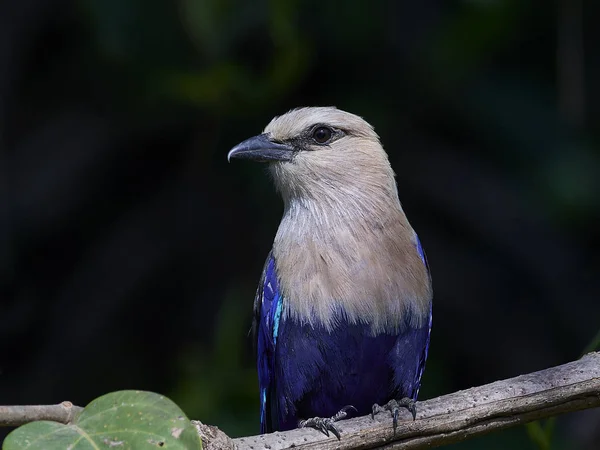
column 261, row 148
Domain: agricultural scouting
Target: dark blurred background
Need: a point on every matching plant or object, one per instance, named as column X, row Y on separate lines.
column 130, row 250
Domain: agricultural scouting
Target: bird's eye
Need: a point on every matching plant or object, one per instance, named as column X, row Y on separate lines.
column 322, row 135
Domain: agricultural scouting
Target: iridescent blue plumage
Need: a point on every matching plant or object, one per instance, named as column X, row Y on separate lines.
column 306, row 371
column 267, row 310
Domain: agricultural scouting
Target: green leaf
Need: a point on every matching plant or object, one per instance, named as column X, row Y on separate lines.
column 119, row 420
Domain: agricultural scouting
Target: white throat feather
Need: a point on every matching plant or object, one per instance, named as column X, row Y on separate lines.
column 344, row 248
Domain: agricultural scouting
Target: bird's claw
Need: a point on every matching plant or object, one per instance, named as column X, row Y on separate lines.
column 393, row 406
column 326, row 424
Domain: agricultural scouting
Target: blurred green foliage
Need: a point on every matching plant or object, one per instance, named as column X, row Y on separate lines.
column 220, row 386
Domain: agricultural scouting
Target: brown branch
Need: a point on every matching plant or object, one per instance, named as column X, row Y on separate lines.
column 440, row 421
column 13, row 416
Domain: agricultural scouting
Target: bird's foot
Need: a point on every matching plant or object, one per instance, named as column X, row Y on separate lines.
column 394, row 406
column 326, row 424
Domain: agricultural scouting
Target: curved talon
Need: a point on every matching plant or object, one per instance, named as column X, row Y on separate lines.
column 325, row 425
column 376, row 409
column 395, row 412
column 393, row 406
column 409, row 404
column 343, row 413
column 334, row 430
column 321, row 424
column 413, row 410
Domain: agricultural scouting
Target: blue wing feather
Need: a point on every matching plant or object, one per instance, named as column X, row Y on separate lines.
column 267, row 313
column 427, row 331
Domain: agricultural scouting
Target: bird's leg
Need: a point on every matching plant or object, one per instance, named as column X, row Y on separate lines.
column 326, row 424
column 394, row 406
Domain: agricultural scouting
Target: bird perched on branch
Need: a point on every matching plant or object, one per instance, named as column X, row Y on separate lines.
column 342, row 315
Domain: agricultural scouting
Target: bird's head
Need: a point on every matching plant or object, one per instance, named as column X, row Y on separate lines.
column 321, row 152
column 343, row 237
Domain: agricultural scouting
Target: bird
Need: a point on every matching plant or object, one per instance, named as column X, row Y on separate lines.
column 343, row 311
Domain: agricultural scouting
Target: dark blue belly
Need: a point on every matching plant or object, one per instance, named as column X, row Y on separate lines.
column 319, row 372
